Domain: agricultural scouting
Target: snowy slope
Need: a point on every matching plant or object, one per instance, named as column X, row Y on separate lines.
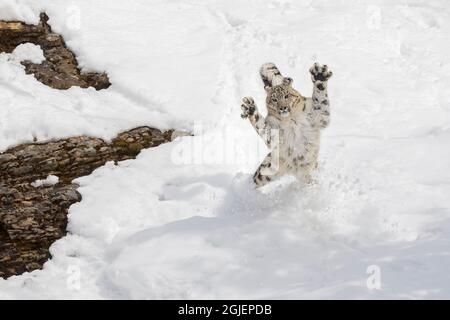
column 182, row 220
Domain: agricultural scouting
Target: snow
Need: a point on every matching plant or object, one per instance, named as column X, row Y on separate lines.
column 17, row 10
column 51, row 180
column 28, row 52
column 182, row 220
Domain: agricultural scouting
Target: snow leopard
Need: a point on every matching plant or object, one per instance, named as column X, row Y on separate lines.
column 292, row 127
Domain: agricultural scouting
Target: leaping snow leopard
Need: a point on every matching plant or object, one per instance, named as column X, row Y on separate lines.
column 292, row 126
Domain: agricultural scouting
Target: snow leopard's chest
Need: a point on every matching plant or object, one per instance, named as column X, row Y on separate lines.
column 297, row 139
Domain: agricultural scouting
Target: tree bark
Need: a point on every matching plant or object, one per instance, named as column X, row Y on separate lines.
column 31, row 219
column 60, row 69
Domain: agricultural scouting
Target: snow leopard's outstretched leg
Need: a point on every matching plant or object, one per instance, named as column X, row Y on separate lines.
column 250, row 111
column 267, row 171
column 320, row 109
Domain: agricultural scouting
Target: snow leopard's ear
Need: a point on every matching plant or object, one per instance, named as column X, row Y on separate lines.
column 287, row 81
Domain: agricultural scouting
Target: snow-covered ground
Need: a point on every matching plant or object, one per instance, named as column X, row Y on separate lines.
column 182, row 220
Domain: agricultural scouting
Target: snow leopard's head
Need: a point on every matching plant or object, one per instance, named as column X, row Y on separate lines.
column 282, row 99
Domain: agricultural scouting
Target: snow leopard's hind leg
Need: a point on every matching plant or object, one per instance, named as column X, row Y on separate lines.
column 268, row 171
column 304, row 175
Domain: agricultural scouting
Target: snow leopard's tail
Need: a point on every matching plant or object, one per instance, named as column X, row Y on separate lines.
column 270, row 75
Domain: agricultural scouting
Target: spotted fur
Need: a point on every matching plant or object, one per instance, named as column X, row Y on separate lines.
column 292, row 126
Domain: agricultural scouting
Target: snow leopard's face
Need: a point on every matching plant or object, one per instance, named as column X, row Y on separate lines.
column 281, row 100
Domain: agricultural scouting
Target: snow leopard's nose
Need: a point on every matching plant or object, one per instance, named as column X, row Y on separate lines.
column 283, row 110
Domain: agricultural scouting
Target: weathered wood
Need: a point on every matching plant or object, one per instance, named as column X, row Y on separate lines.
column 31, row 219
column 60, row 69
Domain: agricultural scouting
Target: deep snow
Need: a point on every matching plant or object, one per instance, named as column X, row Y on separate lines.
column 182, row 220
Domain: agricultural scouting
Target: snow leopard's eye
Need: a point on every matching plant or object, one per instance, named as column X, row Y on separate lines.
column 274, row 100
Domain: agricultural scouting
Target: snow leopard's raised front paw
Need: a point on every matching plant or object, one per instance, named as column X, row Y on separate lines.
column 248, row 107
column 320, row 72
